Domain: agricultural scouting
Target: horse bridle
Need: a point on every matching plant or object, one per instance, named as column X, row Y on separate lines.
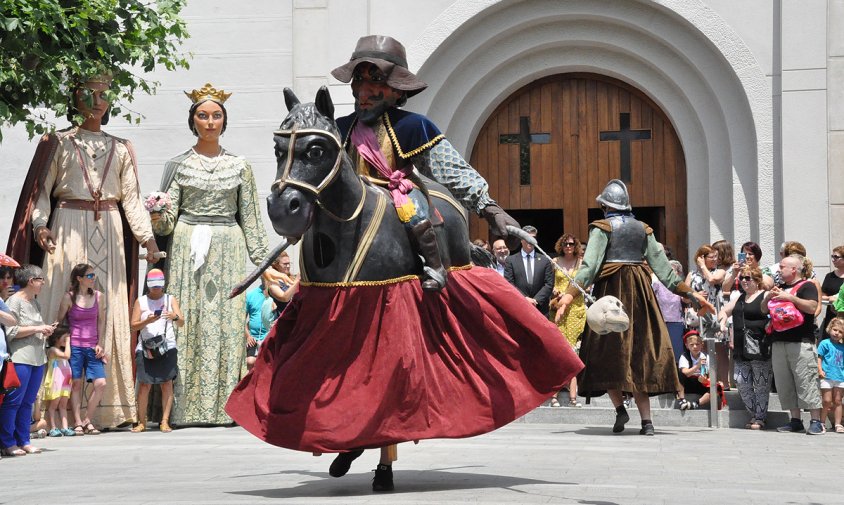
column 285, row 180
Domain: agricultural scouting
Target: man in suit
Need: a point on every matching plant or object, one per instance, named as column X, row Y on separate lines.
column 531, row 273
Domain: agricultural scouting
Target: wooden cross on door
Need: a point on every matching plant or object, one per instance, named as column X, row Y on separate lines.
column 626, row 135
column 524, row 138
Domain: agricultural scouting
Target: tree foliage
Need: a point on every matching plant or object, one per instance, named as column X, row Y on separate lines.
column 46, row 45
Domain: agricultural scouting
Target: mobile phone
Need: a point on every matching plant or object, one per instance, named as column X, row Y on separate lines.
column 742, row 257
column 157, row 313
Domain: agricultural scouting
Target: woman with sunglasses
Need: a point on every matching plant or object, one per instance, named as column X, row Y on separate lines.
column 86, row 317
column 26, row 346
column 572, row 321
column 832, row 285
column 753, row 371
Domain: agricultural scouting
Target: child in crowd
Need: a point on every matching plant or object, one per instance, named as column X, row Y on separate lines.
column 57, row 382
column 831, row 371
column 693, row 372
column 256, row 331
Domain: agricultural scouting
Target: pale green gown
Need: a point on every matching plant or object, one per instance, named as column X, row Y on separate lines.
column 214, row 202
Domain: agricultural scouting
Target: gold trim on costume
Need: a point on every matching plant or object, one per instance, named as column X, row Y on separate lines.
column 384, row 282
column 208, row 92
column 414, row 152
column 366, row 240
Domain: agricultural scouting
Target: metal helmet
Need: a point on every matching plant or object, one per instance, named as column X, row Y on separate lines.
column 615, row 196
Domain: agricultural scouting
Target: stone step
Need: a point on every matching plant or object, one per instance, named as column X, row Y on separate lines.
column 600, row 412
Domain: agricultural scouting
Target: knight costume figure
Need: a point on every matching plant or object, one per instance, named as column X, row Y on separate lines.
column 386, row 143
column 639, row 360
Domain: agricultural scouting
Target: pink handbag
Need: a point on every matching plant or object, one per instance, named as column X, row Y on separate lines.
column 784, row 315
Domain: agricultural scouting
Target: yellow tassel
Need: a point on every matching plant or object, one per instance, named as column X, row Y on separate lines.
column 406, row 211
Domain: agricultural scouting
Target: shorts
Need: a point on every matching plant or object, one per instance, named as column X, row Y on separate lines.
column 830, row 384
column 84, row 359
column 251, row 352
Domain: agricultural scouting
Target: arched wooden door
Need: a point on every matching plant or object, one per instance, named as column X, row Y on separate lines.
column 549, row 149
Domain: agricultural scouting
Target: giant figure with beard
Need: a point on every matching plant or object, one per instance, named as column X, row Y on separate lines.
column 386, row 143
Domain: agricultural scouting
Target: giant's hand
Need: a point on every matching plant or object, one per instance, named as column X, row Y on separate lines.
column 45, row 239
column 153, row 254
column 498, row 221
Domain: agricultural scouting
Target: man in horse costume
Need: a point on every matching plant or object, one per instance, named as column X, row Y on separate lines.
column 386, row 142
column 366, row 356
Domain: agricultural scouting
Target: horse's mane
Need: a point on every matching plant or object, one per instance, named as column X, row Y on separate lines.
column 306, row 115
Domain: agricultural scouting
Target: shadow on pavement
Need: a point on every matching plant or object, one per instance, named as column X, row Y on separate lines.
column 319, row 484
column 606, row 431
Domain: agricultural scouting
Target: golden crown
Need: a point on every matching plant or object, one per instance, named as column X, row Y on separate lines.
column 208, row 92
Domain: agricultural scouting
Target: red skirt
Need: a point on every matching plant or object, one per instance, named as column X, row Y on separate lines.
column 368, row 366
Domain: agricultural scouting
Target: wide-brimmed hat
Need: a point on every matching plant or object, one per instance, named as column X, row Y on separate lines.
column 387, row 54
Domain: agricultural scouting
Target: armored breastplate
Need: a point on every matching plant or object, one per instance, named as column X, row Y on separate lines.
column 628, row 240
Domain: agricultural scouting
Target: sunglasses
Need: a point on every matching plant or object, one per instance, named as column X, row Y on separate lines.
column 90, row 276
column 569, row 244
column 746, row 278
column 836, row 257
column 38, row 279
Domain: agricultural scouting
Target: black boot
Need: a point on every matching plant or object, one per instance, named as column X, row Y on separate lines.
column 341, row 464
column 383, row 480
column 621, row 418
column 434, row 276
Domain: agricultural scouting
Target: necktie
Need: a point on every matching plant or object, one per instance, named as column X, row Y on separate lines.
column 529, row 269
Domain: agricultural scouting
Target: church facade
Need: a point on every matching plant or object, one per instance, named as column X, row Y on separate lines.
column 726, row 119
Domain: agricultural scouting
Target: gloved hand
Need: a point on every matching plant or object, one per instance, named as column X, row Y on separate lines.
column 498, row 221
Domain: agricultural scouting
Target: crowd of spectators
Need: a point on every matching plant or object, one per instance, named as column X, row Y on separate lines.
column 753, row 355
column 61, row 364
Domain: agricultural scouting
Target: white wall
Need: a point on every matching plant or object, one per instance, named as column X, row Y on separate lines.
column 243, row 47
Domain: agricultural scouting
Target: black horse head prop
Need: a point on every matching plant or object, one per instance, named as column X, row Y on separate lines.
column 347, row 224
column 309, row 152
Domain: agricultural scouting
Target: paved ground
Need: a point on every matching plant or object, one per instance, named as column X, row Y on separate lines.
column 521, row 463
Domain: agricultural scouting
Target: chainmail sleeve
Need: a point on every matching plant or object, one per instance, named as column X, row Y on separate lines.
column 444, row 164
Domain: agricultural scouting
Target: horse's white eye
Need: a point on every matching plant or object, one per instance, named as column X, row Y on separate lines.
column 315, row 152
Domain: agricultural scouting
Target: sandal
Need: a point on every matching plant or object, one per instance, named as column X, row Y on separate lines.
column 30, row 449
column 79, row 430
column 574, row 403
column 750, row 424
column 139, row 428
column 8, row 451
column 555, row 402
column 41, row 433
column 757, row 424
column 164, row 427
column 90, row 429
column 55, row 432
column 839, row 428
